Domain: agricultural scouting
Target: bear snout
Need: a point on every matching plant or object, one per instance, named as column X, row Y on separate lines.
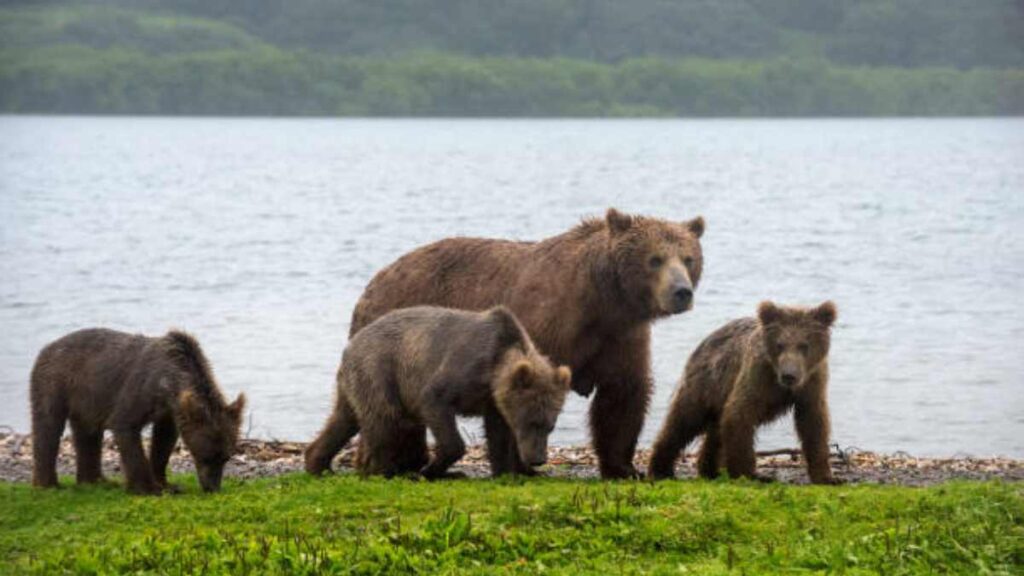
column 534, row 453
column 210, row 477
column 788, row 380
column 682, row 299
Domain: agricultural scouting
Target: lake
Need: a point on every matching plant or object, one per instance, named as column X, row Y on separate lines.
column 258, row 235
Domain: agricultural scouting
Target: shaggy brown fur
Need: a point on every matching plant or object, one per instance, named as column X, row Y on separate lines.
column 744, row 375
column 422, row 366
column 587, row 298
column 106, row 380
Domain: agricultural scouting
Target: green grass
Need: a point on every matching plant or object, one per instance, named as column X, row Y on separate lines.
column 342, row 524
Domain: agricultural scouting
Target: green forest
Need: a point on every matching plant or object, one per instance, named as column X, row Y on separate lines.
column 517, row 58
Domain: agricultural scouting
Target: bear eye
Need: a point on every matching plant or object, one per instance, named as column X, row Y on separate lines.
column 803, row 347
column 688, row 261
column 655, row 261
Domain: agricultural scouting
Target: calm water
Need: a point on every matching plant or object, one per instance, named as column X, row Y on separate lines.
column 259, row 235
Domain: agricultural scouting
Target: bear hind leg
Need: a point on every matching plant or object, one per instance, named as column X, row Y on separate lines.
column 49, row 417
column 340, row 428
column 683, row 423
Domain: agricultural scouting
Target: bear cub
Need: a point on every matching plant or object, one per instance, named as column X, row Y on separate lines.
column 102, row 379
column 744, row 375
column 418, row 368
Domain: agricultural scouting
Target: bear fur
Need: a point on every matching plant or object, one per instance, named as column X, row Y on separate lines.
column 426, row 365
column 586, row 297
column 744, row 375
column 101, row 379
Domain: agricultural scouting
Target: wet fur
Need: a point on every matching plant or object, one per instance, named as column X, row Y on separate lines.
column 585, row 297
column 732, row 386
column 419, row 368
column 99, row 379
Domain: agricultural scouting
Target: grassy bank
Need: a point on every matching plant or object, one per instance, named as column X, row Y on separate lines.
column 295, row 524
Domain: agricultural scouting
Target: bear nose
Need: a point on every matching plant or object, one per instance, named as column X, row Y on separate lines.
column 788, row 380
column 682, row 297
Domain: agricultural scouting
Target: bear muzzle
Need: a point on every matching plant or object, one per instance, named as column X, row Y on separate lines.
column 677, row 291
column 791, row 372
column 210, row 476
column 533, row 453
column 682, row 299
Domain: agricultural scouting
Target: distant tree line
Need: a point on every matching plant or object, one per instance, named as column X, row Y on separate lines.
column 899, row 33
column 275, row 82
column 514, row 57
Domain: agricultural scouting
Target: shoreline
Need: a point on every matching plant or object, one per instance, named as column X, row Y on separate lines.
column 268, row 458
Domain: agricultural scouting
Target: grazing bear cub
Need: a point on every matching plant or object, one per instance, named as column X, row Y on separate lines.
column 745, row 374
column 106, row 380
column 422, row 366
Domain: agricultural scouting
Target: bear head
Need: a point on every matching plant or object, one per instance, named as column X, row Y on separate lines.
column 796, row 340
column 529, row 394
column 209, row 429
column 657, row 262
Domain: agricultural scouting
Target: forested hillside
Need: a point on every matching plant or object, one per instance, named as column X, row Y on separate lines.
column 514, row 57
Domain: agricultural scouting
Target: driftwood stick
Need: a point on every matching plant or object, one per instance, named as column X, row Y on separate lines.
column 794, row 452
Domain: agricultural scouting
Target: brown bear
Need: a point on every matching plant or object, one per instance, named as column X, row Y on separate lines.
column 587, row 297
column 102, row 379
column 425, row 365
column 746, row 374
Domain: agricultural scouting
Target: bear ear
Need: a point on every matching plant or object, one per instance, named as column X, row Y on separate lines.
column 522, row 375
column 768, row 313
column 696, row 226
column 235, row 408
column 564, row 377
column 617, row 221
column 825, row 313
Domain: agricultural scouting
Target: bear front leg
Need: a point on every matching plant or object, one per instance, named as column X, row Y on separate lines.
column 137, row 471
column 88, row 452
column 709, row 462
column 502, row 450
column 165, row 436
column 812, row 426
column 623, row 391
column 450, row 446
column 738, row 443
column 411, row 452
column 616, row 418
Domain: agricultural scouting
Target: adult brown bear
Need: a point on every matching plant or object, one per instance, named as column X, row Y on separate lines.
column 587, row 297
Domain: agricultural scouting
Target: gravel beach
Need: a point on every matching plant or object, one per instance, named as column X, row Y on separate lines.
column 263, row 458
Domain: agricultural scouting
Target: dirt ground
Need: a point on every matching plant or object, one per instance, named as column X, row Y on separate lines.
column 261, row 458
